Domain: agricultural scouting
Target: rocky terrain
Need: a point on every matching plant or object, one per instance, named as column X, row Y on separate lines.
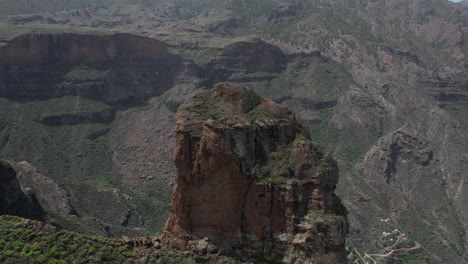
column 31, row 241
column 250, row 182
column 251, row 186
column 382, row 84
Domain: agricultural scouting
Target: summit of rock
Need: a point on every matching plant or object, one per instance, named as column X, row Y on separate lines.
column 251, row 184
column 233, row 105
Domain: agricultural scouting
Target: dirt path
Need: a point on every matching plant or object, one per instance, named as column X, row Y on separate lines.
column 369, row 256
column 383, row 256
column 416, row 246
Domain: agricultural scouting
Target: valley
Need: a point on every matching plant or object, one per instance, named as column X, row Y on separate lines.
column 88, row 95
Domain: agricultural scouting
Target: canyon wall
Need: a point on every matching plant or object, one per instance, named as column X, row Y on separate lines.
column 103, row 67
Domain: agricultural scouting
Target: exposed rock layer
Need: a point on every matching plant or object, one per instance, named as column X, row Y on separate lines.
column 51, row 65
column 250, row 182
column 103, row 116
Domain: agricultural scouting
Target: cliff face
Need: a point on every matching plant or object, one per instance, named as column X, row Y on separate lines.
column 250, row 182
column 238, row 62
column 9, row 188
column 104, row 67
column 48, row 193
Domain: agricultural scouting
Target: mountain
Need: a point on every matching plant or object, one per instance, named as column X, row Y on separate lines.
column 251, row 183
column 381, row 84
column 464, row 2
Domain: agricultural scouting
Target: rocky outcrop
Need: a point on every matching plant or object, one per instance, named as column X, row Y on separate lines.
column 243, row 61
column 121, row 66
column 102, row 116
column 38, row 226
column 398, row 146
column 251, row 183
column 48, row 193
column 9, row 188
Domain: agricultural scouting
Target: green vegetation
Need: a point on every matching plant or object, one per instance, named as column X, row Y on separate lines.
column 64, row 150
column 80, row 163
column 202, row 104
column 19, row 244
column 275, row 181
column 5, row 164
column 354, row 256
column 9, row 30
column 41, row 6
column 279, row 161
column 84, row 73
column 201, row 56
column 325, row 166
column 67, row 105
column 417, row 256
column 22, row 244
column 323, row 213
column 153, row 205
column 250, row 9
column 172, row 105
column 82, row 77
column 258, row 114
column 176, row 260
column 280, row 169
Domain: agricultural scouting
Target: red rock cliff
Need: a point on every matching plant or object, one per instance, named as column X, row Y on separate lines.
column 110, row 68
column 250, row 183
column 78, row 48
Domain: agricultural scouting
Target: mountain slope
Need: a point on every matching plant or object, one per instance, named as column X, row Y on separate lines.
column 381, row 83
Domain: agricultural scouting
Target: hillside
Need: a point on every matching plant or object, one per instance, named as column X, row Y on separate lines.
column 382, row 84
column 28, row 241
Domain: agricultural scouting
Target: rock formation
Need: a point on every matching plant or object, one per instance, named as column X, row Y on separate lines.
column 251, row 184
column 399, row 145
column 43, row 65
column 9, row 188
column 47, row 192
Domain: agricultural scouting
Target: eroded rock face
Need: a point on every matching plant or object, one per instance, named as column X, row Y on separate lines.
column 397, row 146
column 102, row 116
column 103, row 67
column 241, row 60
column 251, row 183
column 48, row 193
column 9, row 188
